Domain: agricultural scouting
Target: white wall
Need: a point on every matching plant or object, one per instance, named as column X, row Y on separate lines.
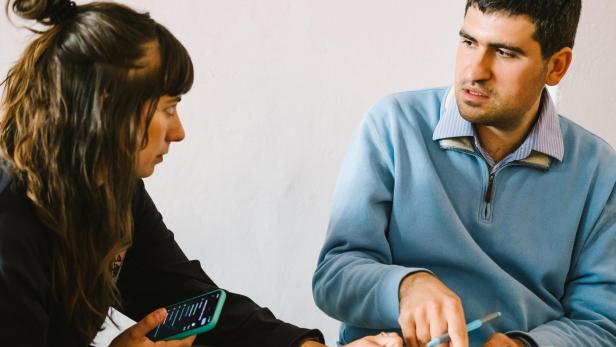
column 280, row 89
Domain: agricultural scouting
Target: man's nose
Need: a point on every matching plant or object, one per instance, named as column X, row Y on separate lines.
column 479, row 67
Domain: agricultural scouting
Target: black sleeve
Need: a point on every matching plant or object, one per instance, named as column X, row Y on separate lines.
column 156, row 273
column 25, row 300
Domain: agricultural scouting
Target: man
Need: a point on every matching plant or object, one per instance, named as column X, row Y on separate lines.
column 456, row 203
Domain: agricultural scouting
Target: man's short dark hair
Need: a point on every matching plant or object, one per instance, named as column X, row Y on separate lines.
column 555, row 21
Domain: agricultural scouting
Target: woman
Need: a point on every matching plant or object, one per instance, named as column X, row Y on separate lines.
column 87, row 111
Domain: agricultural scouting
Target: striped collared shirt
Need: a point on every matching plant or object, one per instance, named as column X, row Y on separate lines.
column 545, row 139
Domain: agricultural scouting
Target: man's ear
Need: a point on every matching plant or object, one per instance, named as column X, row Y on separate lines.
column 558, row 64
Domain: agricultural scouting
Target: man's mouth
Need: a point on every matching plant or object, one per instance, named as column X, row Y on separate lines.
column 475, row 92
column 474, row 95
column 472, row 92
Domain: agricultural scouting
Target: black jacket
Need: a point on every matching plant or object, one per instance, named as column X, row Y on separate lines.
column 155, row 273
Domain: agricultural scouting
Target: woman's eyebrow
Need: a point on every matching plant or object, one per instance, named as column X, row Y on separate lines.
column 171, row 100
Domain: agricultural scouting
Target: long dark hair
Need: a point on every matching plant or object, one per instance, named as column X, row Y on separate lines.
column 75, row 112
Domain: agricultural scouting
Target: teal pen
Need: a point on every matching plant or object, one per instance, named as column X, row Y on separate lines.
column 474, row 325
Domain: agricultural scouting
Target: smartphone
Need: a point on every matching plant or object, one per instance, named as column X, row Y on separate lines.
column 190, row 317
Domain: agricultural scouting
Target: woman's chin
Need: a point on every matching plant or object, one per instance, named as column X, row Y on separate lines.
column 145, row 171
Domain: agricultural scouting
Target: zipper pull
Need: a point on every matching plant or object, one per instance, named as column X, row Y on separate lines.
column 488, row 197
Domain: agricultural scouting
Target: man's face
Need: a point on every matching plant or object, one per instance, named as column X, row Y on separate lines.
column 165, row 127
column 500, row 72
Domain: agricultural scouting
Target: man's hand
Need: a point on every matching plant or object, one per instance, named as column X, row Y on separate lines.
column 502, row 340
column 429, row 309
column 135, row 335
column 380, row 340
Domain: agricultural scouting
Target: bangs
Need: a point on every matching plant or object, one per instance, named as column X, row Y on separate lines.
column 176, row 69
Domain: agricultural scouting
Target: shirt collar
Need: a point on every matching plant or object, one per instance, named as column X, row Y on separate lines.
column 545, row 137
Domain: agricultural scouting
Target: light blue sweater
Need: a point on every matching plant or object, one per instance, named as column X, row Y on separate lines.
column 542, row 250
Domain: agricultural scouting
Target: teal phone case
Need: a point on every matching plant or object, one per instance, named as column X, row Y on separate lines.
column 209, row 326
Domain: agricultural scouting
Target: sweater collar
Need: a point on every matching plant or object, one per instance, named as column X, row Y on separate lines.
column 542, row 143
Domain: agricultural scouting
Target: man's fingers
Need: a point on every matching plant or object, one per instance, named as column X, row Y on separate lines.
column 438, row 326
column 148, row 323
column 408, row 331
column 428, row 308
column 456, row 325
column 422, row 328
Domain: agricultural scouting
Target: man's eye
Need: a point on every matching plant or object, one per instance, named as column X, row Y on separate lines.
column 467, row 42
column 504, row 54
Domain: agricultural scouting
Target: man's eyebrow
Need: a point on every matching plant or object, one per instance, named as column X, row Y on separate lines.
column 495, row 45
column 467, row 36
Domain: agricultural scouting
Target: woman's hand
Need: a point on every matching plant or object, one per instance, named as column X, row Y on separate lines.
column 380, row 340
column 135, row 335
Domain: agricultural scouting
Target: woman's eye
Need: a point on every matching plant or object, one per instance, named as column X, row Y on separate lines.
column 170, row 110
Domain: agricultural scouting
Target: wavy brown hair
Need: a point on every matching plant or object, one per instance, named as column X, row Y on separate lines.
column 75, row 109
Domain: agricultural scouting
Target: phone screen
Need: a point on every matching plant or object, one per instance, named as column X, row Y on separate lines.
column 193, row 314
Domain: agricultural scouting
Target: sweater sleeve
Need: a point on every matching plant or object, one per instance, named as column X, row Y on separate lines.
column 156, row 273
column 355, row 280
column 25, row 301
column 590, row 296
